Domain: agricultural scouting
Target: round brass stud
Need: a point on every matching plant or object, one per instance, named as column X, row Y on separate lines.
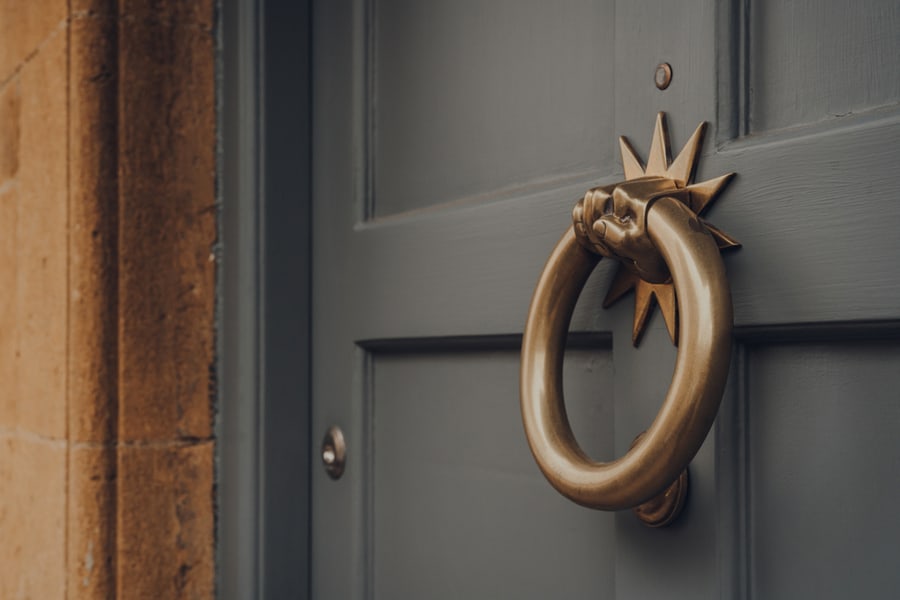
column 334, row 452
column 663, row 76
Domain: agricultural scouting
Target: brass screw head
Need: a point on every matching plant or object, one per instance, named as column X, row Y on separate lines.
column 663, row 75
column 334, row 452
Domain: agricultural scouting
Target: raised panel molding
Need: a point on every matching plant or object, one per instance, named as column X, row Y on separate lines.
column 449, row 88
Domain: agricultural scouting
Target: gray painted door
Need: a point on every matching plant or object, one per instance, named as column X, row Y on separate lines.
column 451, row 140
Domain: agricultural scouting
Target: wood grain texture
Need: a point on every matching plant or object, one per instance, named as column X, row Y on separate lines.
column 682, row 34
column 459, row 509
column 799, row 205
column 817, row 213
column 339, row 566
column 824, row 475
column 471, row 100
column 811, row 61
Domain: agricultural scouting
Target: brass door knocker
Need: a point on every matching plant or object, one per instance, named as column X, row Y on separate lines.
column 649, row 223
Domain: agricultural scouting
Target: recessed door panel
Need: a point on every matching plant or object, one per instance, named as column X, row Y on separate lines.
column 813, row 61
column 475, row 100
column 824, row 469
column 458, row 509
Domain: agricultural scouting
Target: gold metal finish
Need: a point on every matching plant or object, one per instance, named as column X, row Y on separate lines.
column 649, row 223
column 696, row 196
column 334, row 452
column 664, row 508
column 663, row 76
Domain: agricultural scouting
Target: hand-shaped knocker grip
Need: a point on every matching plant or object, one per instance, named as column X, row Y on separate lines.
column 656, row 208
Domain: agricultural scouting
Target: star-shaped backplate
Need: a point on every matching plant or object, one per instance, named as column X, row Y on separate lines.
column 696, row 196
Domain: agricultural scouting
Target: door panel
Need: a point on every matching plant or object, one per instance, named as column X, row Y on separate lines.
column 451, row 141
column 457, row 85
column 815, row 207
column 824, row 469
column 684, row 34
column 811, row 61
column 458, row 509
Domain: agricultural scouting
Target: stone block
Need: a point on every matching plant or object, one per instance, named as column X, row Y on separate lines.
column 197, row 14
column 93, row 230
column 94, row 8
column 10, row 104
column 32, row 517
column 24, row 26
column 9, row 418
column 91, row 522
column 166, row 524
column 41, row 242
column 167, row 225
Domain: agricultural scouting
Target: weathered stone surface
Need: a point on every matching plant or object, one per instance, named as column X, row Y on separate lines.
column 8, row 338
column 41, row 233
column 107, row 219
column 93, row 230
column 167, row 230
column 199, row 13
column 165, row 538
column 32, row 517
column 10, row 107
column 93, row 307
column 23, row 27
column 91, row 523
column 93, row 8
